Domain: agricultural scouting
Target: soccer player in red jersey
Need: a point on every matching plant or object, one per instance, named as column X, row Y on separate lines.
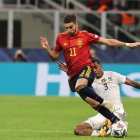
column 75, row 45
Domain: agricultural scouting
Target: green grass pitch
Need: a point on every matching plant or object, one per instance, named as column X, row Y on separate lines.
column 53, row 118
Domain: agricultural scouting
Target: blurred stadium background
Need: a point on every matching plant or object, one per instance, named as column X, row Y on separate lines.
column 22, row 22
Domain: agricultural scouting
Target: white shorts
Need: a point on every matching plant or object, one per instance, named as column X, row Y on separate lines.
column 99, row 120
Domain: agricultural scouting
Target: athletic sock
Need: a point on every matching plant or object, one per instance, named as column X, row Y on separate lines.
column 89, row 92
column 106, row 113
column 95, row 133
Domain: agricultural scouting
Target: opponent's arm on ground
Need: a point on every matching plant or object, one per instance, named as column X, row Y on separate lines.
column 117, row 43
column 132, row 83
column 52, row 54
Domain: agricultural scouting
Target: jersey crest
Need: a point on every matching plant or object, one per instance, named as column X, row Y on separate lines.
column 103, row 80
column 110, row 78
column 79, row 42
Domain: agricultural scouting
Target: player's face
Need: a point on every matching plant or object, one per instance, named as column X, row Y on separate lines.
column 98, row 70
column 71, row 28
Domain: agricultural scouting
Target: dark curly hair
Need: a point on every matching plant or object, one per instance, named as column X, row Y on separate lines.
column 96, row 60
column 70, row 18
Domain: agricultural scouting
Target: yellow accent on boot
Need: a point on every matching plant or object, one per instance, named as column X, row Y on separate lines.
column 106, row 129
column 109, row 123
column 102, row 132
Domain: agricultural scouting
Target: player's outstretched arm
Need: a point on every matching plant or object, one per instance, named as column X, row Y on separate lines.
column 117, row 43
column 132, row 83
column 44, row 43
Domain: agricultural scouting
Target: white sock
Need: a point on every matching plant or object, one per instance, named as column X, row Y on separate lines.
column 105, row 101
column 95, row 133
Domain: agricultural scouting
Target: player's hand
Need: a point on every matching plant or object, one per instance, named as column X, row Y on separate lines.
column 136, row 44
column 62, row 66
column 44, row 42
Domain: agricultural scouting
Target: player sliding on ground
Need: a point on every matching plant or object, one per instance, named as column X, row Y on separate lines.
column 106, row 84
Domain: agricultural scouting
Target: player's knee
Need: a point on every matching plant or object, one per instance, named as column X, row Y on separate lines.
column 79, row 91
column 79, row 88
column 77, row 130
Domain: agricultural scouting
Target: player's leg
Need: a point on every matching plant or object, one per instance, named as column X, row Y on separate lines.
column 91, row 126
column 120, row 113
column 88, row 94
column 83, row 84
column 101, row 109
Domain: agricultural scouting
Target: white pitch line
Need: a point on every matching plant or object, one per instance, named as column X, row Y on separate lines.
column 44, row 131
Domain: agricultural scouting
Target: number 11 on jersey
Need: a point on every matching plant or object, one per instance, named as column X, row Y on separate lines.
column 73, row 52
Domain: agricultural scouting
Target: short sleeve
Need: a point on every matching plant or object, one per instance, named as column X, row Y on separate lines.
column 119, row 77
column 93, row 38
column 57, row 47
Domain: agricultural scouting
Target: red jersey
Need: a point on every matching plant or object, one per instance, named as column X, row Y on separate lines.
column 76, row 50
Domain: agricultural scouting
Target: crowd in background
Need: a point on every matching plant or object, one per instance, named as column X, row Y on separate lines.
column 124, row 20
column 100, row 5
column 127, row 21
column 39, row 3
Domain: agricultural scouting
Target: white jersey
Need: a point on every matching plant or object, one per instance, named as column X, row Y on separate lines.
column 108, row 87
